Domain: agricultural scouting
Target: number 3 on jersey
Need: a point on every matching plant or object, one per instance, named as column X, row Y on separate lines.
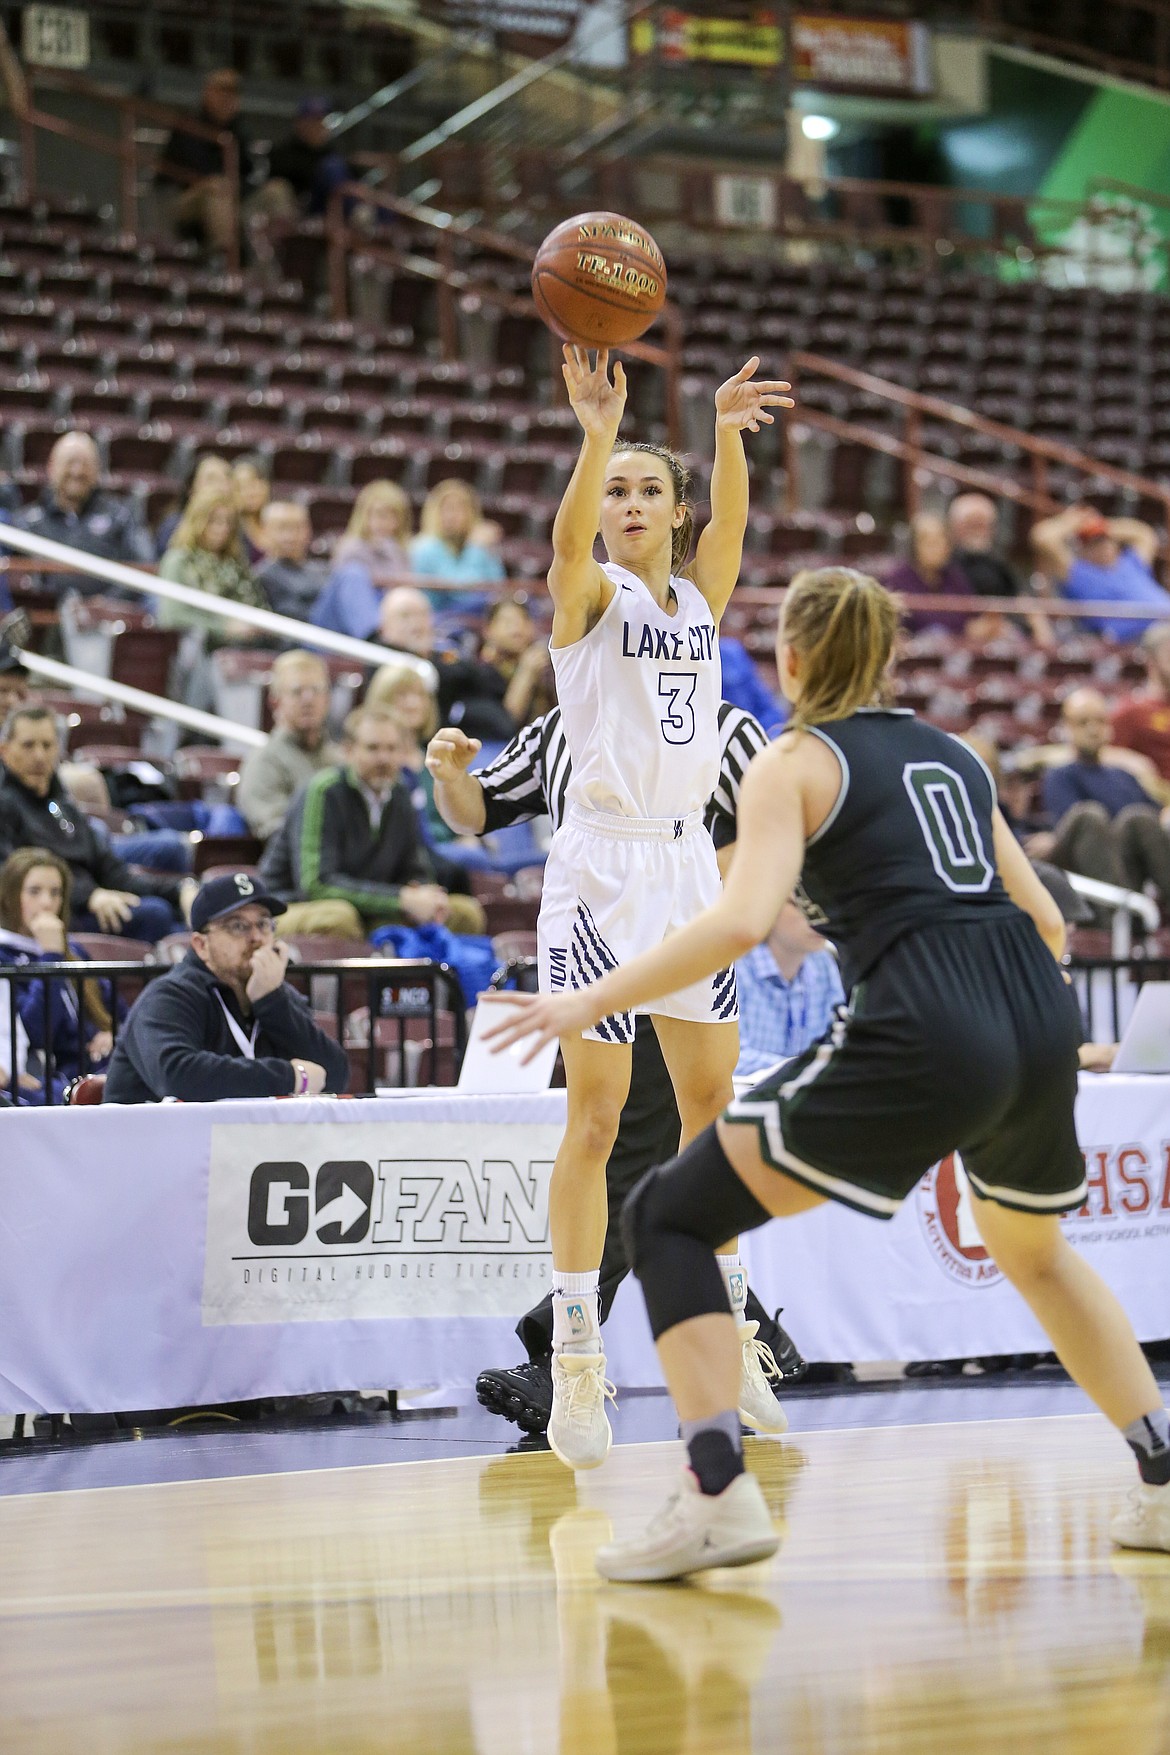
column 678, row 688
column 949, row 825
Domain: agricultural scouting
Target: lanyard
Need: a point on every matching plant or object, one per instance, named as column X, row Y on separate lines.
column 246, row 1044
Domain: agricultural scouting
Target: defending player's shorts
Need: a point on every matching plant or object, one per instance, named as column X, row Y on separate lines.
column 615, row 886
column 961, row 1038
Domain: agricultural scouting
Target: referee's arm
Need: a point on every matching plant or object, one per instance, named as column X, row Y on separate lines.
column 458, row 794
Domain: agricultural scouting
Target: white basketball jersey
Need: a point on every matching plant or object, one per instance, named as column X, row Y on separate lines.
column 639, row 699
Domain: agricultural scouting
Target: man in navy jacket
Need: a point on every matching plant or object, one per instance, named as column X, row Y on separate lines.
column 225, row 1023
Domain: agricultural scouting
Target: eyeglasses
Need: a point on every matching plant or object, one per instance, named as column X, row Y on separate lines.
column 242, row 928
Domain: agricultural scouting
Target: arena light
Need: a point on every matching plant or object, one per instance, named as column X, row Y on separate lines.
column 819, row 127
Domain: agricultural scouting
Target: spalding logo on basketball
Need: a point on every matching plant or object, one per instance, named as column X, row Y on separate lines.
column 599, row 280
column 948, row 1221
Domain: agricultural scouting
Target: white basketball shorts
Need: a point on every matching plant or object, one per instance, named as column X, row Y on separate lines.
column 615, row 886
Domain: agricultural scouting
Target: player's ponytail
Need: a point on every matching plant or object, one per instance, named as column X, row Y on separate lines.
column 842, row 624
column 680, row 478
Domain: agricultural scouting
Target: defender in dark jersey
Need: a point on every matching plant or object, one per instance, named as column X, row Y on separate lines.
column 960, row 1034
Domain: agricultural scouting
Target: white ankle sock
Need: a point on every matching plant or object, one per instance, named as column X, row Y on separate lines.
column 734, row 1278
column 576, row 1328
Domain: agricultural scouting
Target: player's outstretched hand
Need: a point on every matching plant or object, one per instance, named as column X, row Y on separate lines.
column 539, row 1017
column 743, row 402
column 451, row 752
column 597, row 403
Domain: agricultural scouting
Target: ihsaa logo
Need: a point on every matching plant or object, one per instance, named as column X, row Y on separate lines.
column 948, row 1219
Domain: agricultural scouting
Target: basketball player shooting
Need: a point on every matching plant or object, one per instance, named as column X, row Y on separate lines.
column 636, row 656
column 961, row 1034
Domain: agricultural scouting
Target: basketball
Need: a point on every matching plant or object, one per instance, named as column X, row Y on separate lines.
column 599, row 280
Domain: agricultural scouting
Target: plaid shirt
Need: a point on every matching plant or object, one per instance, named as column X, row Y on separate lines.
column 779, row 1018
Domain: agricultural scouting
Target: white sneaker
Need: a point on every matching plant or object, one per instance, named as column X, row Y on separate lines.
column 758, row 1407
column 578, row 1428
column 1145, row 1522
column 693, row 1532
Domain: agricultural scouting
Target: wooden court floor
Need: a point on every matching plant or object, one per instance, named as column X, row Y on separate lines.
column 940, row 1588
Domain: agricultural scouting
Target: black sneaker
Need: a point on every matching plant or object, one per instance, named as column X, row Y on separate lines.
column 784, row 1350
column 523, row 1394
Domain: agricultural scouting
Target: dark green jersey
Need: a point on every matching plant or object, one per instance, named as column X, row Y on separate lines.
column 908, row 843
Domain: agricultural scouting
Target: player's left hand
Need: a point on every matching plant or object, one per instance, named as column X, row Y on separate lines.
column 539, row 1017
column 742, row 402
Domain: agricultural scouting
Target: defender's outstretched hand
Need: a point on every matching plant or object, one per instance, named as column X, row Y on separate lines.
column 541, row 1017
column 742, row 402
column 597, row 403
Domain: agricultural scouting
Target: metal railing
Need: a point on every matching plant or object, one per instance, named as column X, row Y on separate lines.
column 130, row 116
column 144, row 584
column 915, row 409
column 375, row 1005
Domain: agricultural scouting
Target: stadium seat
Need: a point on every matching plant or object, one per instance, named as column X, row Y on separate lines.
column 110, row 947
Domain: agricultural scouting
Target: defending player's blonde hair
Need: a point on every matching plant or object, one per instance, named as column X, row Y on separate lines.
column 842, row 624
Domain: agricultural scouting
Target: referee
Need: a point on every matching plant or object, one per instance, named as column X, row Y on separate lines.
column 528, row 779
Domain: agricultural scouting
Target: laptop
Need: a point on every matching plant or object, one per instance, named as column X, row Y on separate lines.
column 1145, row 1042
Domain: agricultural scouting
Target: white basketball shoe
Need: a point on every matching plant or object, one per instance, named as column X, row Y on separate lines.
column 579, row 1432
column 693, row 1533
column 758, row 1407
column 1145, row 1522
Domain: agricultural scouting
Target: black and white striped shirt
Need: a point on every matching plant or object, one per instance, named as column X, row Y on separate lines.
column 529, row 777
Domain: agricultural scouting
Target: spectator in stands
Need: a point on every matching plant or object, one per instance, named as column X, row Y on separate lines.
column 207, row 553
column 973, row 523
column 1104, row 823
column 1142, row 723
column 931, row 569
column 73, row 509
column 34, row 905
column 457, row 544
column 789, row 987
column 406, row 623
column 13, row 683
column 306, row 164
column 225, row 1022
column 349, row 855
column 515, row 652
column 291, row 582
column 205, row 204
column 973, row 526
column 298, row 747
column 210, row 472
column 136, row 844
column 36, row 811
column 252, row 485
column 491, row 695
column 403, row 692
column 368, row 561
column 470, row 693
column 1091, row 559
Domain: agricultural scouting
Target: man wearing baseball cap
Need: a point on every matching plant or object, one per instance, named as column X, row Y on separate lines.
column 224, row 1022
column 1094, row 559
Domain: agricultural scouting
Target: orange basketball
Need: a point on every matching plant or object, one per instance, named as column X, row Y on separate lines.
column 599, row 279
